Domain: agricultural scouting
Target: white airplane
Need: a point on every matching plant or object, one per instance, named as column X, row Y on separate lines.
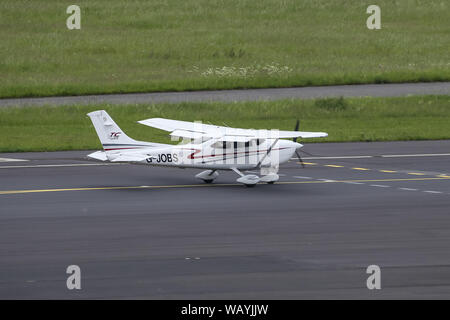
column 204, row 146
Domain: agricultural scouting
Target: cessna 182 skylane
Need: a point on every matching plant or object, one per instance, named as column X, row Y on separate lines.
column 204, row 146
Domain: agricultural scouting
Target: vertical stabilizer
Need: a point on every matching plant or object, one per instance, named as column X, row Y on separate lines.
column 111, row 136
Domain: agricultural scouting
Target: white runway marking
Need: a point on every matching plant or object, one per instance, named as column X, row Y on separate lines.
column 408, row 189
column 430, row 191
column 379, row 185
column 59, row 165
column 377, row 156
column 301, row 177
column 11, row 160
column 416, row 155
column 352, row 182
column 338, row 157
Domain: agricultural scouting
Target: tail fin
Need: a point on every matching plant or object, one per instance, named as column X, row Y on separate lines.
column 110, row 135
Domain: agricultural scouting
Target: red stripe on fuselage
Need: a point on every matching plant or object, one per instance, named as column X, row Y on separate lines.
column 191, row 156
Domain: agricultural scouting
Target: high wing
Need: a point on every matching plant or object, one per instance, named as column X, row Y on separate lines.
column 193, row 130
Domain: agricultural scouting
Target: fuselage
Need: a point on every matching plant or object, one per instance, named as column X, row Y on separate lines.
column 217, row 155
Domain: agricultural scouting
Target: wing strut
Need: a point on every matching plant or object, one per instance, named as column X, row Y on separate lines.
column 268, row 151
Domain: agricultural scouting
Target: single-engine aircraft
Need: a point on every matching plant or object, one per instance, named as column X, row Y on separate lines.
column 204, row 146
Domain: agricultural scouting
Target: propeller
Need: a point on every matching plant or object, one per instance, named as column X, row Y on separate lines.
column 297, row 125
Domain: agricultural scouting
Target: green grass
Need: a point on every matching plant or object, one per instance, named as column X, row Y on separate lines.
column 355, row 119
column 159, row 45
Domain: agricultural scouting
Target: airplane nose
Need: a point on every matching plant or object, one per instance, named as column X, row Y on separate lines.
column 296, row 145
column 291, row 144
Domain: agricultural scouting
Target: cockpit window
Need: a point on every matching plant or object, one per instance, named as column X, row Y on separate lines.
column 185, row 141
column 237, row 145
column 200, row 140
column 223, row 145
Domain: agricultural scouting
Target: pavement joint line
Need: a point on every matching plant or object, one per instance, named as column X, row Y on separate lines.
column 6, row 192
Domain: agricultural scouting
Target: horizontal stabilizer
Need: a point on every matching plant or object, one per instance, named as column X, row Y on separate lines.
column 98, row 155
column 130, row 158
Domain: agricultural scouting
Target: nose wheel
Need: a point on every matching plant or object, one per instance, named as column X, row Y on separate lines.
column 270, row 178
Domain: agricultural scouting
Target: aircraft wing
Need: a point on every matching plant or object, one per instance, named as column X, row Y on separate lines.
column 302, row 134
column 193, row 130
column 172, row 125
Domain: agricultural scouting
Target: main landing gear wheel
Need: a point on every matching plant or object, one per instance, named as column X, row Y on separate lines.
column 249, row 180
column 207, row 176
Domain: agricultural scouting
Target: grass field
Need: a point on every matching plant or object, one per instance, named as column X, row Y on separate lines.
column 158, row 45
column 355, row 119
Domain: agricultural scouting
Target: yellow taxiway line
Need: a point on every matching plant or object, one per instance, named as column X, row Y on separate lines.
column 6, row 192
